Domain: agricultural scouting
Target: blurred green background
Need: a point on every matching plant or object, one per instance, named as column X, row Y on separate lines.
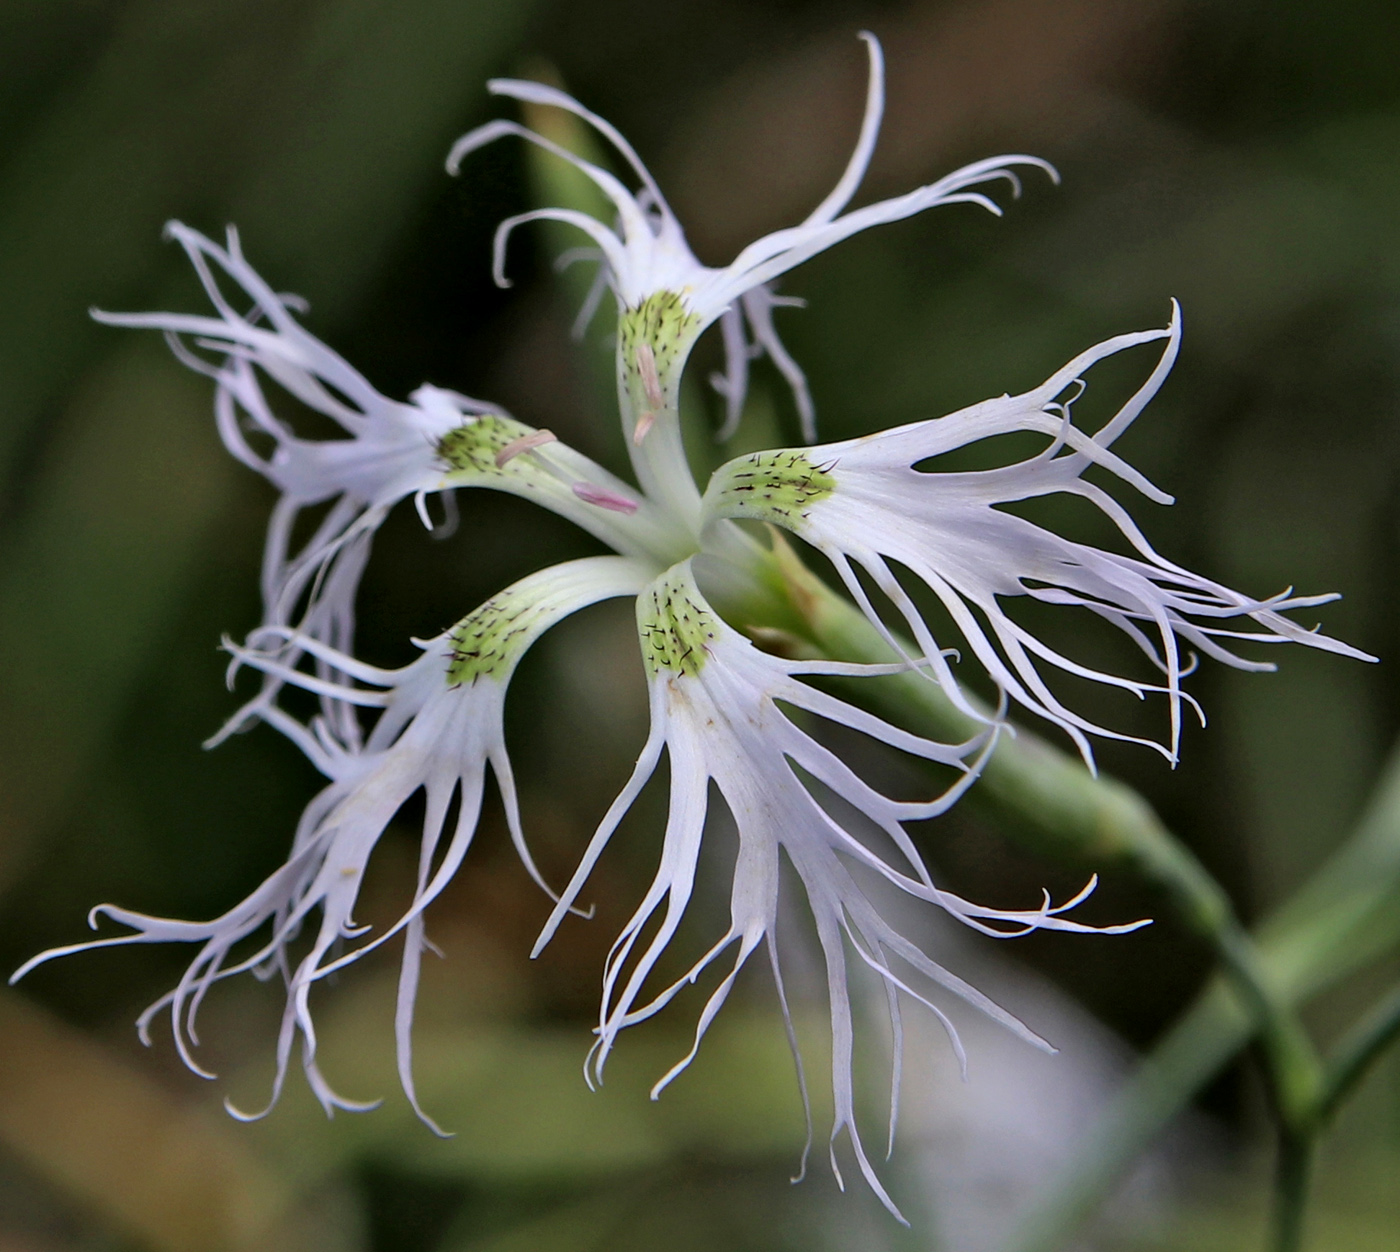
column 1243, row 157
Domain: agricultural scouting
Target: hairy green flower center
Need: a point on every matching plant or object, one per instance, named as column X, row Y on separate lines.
column 472, row 448
column 492, row 638
column 776, row 487
column 663, row 324
column 676, row 629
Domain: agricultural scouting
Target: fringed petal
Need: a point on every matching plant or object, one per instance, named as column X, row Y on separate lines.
column 873, row 504
column 715, row 707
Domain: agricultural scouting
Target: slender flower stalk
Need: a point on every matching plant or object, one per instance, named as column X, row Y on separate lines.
column 722, row 709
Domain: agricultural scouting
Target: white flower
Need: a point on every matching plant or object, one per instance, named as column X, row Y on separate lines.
column 438, row 730
column 666, row 297
column 863, row 502
column 718, row 703
column 715, row 709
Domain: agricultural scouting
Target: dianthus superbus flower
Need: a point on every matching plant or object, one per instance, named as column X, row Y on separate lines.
column 722, row 709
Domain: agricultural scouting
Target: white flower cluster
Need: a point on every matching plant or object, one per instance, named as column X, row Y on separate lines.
column 871, row 505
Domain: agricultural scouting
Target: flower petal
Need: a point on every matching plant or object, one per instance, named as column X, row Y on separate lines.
column 439, row 730
column 715, row 706
column 864, row 503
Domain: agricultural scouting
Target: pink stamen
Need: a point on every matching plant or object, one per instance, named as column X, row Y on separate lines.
column 644, row 424
column 524, row 444
column 651, row 385
column 651, row 382
column 604, row 498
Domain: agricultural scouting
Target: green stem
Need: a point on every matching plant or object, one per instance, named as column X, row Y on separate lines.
column 1346, row 916
column 1294, row 1067
column 1292, row 1176
column 1349, row 1062
column 1361, row 1047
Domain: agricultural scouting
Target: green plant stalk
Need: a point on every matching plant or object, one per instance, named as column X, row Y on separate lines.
column 1345, row 916
column 1297, row 1150
column 1343, row 1070
column 1358, row 1050
column 1292, row 1176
